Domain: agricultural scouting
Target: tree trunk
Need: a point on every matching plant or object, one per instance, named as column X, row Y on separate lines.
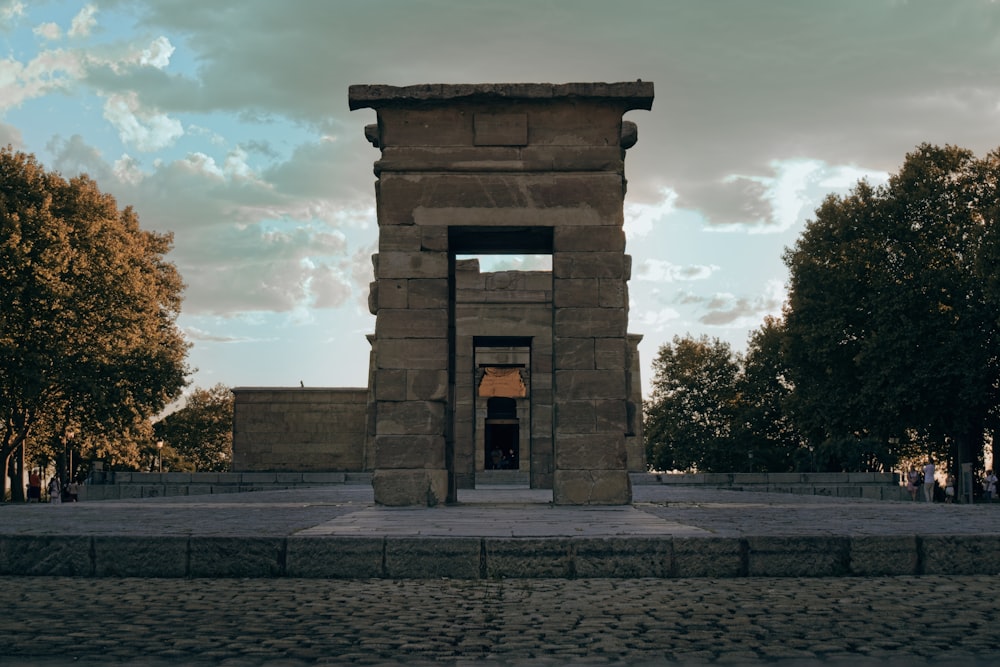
column 15, row 471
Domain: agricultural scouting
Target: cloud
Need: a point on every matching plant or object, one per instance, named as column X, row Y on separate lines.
column 83, row 22
column 196, row 334
column 658, row 270
column 49, row 31
column 144, row 129
column 728, row 310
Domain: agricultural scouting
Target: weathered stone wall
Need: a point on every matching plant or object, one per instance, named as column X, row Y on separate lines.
column 534, row 168
column 299, row 429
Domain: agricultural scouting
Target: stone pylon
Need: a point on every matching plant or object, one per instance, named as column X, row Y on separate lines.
column 501, row 168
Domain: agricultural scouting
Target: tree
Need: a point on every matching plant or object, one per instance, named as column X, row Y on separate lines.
column 201, row 432
column 689, row 415
column 888, row 329
column 88, row 338
column 762, row 424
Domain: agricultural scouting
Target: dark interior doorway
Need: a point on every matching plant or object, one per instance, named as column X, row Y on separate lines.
column 502, row 430
column 502, row 444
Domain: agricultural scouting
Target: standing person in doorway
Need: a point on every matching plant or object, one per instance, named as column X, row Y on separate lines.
column 929, row 481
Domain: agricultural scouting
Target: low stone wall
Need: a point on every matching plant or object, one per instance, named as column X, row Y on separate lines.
column 871, row 485
column 299, row 429
column 125, row 485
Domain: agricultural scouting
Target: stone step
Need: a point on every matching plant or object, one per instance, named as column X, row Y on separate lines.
column 511, row 478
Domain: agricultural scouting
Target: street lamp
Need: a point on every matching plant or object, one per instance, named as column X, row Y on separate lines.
column 159, row 455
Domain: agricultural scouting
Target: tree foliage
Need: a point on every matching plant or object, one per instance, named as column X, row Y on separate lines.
column 689, row 416
column 88, row 306
column 890, row 327
column 201, row 433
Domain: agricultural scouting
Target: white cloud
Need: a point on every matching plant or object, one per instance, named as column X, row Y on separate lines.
column 83, row 22
column 743, row 312
column 658, row 270
column 157, row 54
column 49, row 31
column 640, row 217
column 9, row 11
column 145, row 129
column 654, row 320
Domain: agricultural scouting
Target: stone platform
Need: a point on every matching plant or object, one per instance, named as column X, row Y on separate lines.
column 338, row 531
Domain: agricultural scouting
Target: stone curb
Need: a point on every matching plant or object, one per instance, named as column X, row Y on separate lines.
column 497, row 558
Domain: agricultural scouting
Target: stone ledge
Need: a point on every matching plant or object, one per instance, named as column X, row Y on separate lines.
column 634, row 94
column 483, row 558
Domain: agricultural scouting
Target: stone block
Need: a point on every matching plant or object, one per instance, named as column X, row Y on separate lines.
column 713, row 557
column 574, row 354
column 627, row 558
column 427, row 293
column 590, row 323
column 400, row 238
column 245, row 556
column 426, row 385
column 587, row 265
column 612, row 293
column 408, row 323
column 576, row 293
column 610, row 354
column 521, row 558
column 412, row 353
column 399, row 488
column 501, row 199
column 410, row 418
column 341, row 558
column 452, row 558
column 140, row 556
column 884, row 555
column 391, row 293
column 610, row 415
column 412, row 265
column 806, row 556
column 577, row 417
column 45, row 555
column 591, row 487
column 961, row 554
column 583, row 384
column 581, row 239
column 390, row 384
column 580, row 451
column 409, row 451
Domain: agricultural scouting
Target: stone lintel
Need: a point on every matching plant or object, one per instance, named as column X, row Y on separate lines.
column 630, row 94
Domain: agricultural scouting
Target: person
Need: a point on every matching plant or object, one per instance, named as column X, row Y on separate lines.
column 989, row 486
column 54, row 490
column 913, row 482
column 949, row 489
column 73, row 490
column 929, row 481
column 34, row 486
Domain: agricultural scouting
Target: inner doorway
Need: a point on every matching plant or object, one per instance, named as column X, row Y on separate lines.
column 502, row 433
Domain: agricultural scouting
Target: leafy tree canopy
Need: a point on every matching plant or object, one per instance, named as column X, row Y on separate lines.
column 201, row 433
column 88, row 306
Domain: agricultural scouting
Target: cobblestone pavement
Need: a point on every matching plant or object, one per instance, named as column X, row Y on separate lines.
column 292, row 622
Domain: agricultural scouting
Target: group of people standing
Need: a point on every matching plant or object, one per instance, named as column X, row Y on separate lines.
column 57, row 494
column 915, row 479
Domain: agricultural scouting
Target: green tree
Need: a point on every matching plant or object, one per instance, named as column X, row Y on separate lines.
column 88, row 338
column 762, row 424
column 688, row 417
column 888, row 330
column 201, row 433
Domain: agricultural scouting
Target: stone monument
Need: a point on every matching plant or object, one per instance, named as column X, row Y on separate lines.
column 535, row 367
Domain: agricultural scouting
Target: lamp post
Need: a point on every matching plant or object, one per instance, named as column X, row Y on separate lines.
column 159, row 455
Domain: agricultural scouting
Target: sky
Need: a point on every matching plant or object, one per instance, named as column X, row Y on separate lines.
column 227, row 125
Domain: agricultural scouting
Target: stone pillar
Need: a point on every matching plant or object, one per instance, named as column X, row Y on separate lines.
column 529, row 168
